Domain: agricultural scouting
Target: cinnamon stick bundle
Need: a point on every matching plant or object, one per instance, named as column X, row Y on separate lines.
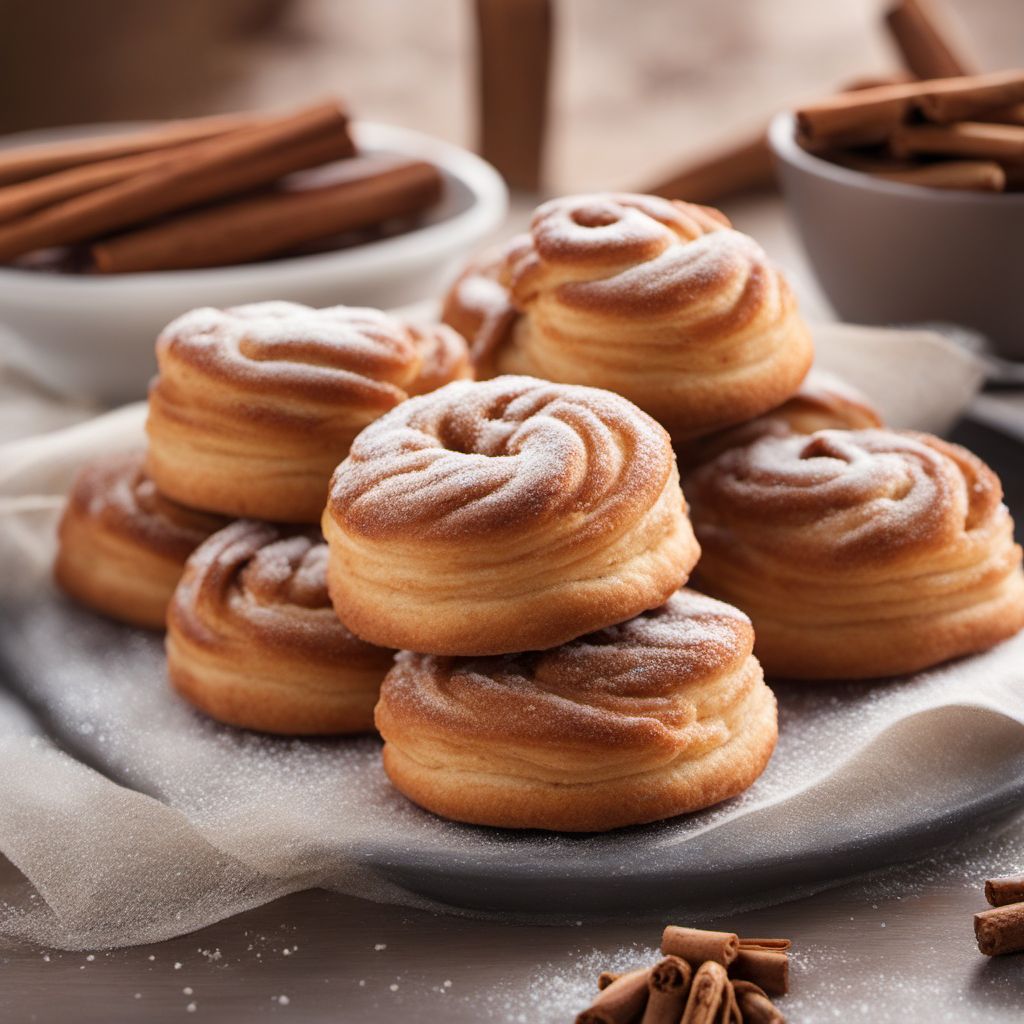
column 26, row 162
column 925, row 42
column 1000, row 930
column 367, row 191
column 668, row 985
column 224, row 165
column 1008, row 889
column 695, row 946
column 621, row 1002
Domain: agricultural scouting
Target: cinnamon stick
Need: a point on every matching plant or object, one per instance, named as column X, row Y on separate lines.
column 668, row 986
column 966, row 175
column 767, row 968
column 744, row 166
column 925, row 42
column 367, row 192
column 966, row 139
column 1000, row 930
column 961, row 99
column 708, row 992
column 695, row 945
column 197, row 173
column 605, row 978
column 621, row 1002
column 754, row 1005
column 1008, row 889
column 783, row 944
column 1013, row 114
column 26, row 162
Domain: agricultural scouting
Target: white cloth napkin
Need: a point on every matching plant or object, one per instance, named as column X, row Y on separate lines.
column 133, row 818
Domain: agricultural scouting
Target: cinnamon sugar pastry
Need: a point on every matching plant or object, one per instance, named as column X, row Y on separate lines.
column 253, row 407
column 252, row 639
column 824, row 402
column 123, row 544
column 658, row 300
column 505, row 516
column 664, row 714
column 859, row 554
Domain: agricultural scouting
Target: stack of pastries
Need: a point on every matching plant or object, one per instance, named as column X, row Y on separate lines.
column 325, row 488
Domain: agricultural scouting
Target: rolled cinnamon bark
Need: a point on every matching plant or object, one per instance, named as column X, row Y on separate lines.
column 695, row 945
column 783, row 944
column 966, row 175
column 668, row 986
column 709, row 990
column 1013, row 114
column 754, row 1005
column 225, row 165
column 1000, row 930
column 26, row 162
column 367, row 192
column 605, row 978
column 768, row 968
column 925, row 42
column 622, row 1002
column 1007, row 889
column 961, row 99
column 741, row 167
column 966, row 139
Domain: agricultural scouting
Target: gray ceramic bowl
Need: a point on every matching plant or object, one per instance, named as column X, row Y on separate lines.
column 888, row 253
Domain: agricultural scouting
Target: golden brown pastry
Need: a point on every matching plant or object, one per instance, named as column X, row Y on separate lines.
column 859, row 554
column 658, row 300
column 505, row 516
column 122, row 544
column 824, row 402
column 252, row 639
column 253, row 407
column 661, row 715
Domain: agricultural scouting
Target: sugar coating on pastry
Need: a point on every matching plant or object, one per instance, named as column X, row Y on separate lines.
column 122, row 545
column 659, row 300
column 254, row 406
column 859, row 554
column 661, row 715
column 502, row 516
column 824, row 402
column 253, row 641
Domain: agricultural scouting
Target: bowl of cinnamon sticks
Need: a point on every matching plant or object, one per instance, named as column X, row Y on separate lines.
column 109, row 232
column 909, row 200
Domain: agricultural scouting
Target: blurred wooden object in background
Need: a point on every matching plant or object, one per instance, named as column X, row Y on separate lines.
column 514, row 43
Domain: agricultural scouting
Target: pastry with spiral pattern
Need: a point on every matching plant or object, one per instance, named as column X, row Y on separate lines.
column 661, row 715
column 859, row 554
column 824, row 402
column 123, row 544
column 658, row 300
column 253, row 407
column 505, row 516
column 252, row 639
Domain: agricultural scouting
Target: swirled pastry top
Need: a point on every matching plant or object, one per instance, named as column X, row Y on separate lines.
column 116, row 493
column 257, row 583
column 849, row 499
column 657, row 299
column 661, row 682
column 294, row 354
column 502, row 456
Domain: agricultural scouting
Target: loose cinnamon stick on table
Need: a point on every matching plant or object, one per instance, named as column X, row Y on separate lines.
column 747, row 165
column 621, row 1002
column 695, row 946
column 754, row 1005
column 1008, row 889
column 668, row 985
column 366, row 192
column 966, row 139
column 1000, row 930
column 25, row 162
column 709, row 990
column 928, row 46
column 196, row 173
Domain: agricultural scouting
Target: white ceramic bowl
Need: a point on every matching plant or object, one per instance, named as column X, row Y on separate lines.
column 92, row 336
column 890, row 253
